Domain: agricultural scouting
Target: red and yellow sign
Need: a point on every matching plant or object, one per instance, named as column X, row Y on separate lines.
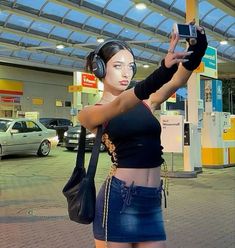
column 11, row 87
column 89, row 81
column 12, row 99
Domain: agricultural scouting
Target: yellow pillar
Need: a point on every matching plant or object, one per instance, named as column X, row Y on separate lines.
column 192, row 10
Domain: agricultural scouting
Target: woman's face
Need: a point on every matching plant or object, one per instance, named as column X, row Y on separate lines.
column 119, row 71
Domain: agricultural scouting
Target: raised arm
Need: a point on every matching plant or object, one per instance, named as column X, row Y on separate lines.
column 179, row 79
column 92, row 116
column 184, row 71
column 156, row 83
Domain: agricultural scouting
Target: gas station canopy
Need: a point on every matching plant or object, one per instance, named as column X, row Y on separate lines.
column 59, row 34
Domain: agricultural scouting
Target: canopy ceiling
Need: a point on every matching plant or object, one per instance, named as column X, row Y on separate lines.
column 31, row 30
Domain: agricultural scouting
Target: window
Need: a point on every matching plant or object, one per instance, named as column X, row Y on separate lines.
column 53, row 123
column 67, row 104
column 32, row 127
column 65, row 122
column 18, row 126
column 4, row 124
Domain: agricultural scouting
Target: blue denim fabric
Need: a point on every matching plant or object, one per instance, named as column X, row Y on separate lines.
column 135, row 213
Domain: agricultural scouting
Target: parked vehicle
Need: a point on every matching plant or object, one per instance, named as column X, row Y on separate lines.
column 71, row 138
column 59, row 124
column 22, row 135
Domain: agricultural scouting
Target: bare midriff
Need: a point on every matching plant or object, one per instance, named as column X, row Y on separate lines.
column 149, row 177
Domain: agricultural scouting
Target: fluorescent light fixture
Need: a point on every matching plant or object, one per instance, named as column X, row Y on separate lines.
column 146, row 66
column 140, row 6
column 223, row 42
column 60, row 46
column 100, row 40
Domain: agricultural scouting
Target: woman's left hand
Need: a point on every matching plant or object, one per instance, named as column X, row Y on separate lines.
column 198, row 48
column 173, row 57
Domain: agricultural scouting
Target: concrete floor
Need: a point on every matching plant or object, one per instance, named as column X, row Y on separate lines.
column 33, row 213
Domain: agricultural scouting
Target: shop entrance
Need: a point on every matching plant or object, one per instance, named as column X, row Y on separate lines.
column 9, row 109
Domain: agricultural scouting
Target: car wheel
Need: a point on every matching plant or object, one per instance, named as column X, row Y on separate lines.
column 70, row 148
column 44, row 148
column 102, row 147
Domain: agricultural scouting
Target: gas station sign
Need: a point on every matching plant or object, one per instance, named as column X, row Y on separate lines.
column 210, row 63
column 89, row 80
column 86, row 83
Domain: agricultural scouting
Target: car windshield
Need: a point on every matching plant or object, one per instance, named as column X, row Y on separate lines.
column 44, row 121
column 4, row 124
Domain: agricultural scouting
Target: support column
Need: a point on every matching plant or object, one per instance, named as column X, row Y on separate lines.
column 192, row 11
column 77, row 96
column 192, row 152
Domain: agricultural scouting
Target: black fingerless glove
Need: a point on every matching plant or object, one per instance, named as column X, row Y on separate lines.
column 155, row 81
column 199, row 49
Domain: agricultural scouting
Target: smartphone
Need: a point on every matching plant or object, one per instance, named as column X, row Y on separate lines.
column 185, row 30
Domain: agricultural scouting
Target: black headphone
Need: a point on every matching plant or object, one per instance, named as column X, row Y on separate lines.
column 98, row 65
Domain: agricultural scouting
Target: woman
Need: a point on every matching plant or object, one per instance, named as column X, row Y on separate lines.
column 128, row 207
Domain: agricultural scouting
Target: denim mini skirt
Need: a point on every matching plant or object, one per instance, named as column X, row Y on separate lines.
column 133, row 214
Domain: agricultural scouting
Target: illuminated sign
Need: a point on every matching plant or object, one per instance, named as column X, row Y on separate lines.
column 85, row 83
column 12, row 99
column 89, row 80
column 210, row 63
column 11, row 87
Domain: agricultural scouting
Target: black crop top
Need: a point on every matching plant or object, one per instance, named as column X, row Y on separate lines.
column 133, row 139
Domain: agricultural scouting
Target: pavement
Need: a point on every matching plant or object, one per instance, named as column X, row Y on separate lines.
column 33, row 211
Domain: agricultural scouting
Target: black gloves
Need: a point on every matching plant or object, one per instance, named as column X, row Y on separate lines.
column 155, row 81
column 198, row 49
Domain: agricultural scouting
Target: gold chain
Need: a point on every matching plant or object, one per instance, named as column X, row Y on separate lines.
column 106, row 201
column 166, row 178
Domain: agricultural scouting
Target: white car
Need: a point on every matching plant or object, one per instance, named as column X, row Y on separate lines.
column 20, row 136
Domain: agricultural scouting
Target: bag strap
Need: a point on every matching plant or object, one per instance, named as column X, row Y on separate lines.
column 95, row 151
column 95, row 154
column 81, row 149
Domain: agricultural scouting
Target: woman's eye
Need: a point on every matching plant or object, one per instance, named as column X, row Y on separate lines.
column 117, row 66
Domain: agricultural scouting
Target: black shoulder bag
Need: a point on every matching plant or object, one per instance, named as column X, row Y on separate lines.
column 80, row 190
